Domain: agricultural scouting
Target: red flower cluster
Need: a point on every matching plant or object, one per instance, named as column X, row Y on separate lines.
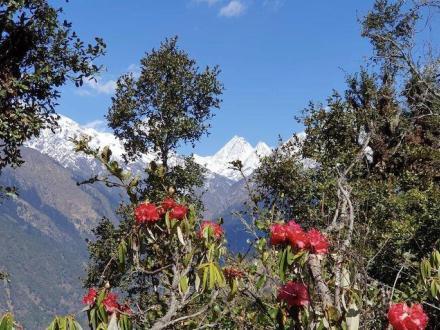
column 178, row 212
column 215, row 229
column 403, row 317
column 318, row 243
column 232, row 273
column 294, row 294
column 110, row 302
column 150, row 213
column 90, row 297
column 292, row 233
column 146, row 212
column 168, row 203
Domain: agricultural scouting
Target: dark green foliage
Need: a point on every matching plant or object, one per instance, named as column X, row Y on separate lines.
column 389, row 119
column 99, row 252
column 168, row 104
column 186, row 177
column 38, row 54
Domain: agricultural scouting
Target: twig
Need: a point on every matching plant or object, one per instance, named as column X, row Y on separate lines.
column 394, row 285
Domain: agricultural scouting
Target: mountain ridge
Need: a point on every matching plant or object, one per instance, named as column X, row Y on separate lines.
column 58, row 146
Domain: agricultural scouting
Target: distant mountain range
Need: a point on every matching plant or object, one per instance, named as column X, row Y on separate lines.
column 43, row 230
column 57, row 146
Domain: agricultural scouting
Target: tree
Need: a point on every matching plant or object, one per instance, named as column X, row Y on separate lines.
column 167, row 105
column 160, row 255
column 374, row 158
column 38, row 54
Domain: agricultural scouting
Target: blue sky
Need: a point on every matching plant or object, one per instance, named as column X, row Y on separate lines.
column 275, row 56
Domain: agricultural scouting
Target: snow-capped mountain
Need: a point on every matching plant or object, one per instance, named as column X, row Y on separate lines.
column 236, row 149
column 59, row 147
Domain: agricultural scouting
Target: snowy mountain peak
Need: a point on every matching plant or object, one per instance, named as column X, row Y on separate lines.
column 236, row 149
column 262, row 149
column 59, row 147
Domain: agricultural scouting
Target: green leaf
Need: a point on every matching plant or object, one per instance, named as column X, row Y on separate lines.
column 290, row 257
column 101, row 297
column 273, row 312
column 282, row 264
column 434, row 291
column 7, row 322
column 234, row 287
column 183, row 284
column 71, row 323
column 50, row 327
column 205, row 278
column 62, row 323
column 92, row 318
column 122, row 252
column 212, row 276
column 261, row 281
column 102, row 314
column 425, row 269
column 134, row 182
column 436, row 258
column 220, row 278
column 78, row 326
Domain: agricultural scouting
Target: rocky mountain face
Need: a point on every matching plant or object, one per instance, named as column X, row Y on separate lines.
column 43, row 230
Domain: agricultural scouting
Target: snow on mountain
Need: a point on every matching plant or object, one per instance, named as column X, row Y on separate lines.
column 236, row 149
column 59, row 147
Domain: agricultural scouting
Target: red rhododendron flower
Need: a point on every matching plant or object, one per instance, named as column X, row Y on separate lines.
column 146, row 212
column 294, row 294
column 178, row 212
column 318, row 243
column 403, row 317
column 125, row 309
column 295, row 234
column 278, row 234
column 110, row 302
column 232, row 273
column 90, row 297
column 216, row 229
column 168, row 203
